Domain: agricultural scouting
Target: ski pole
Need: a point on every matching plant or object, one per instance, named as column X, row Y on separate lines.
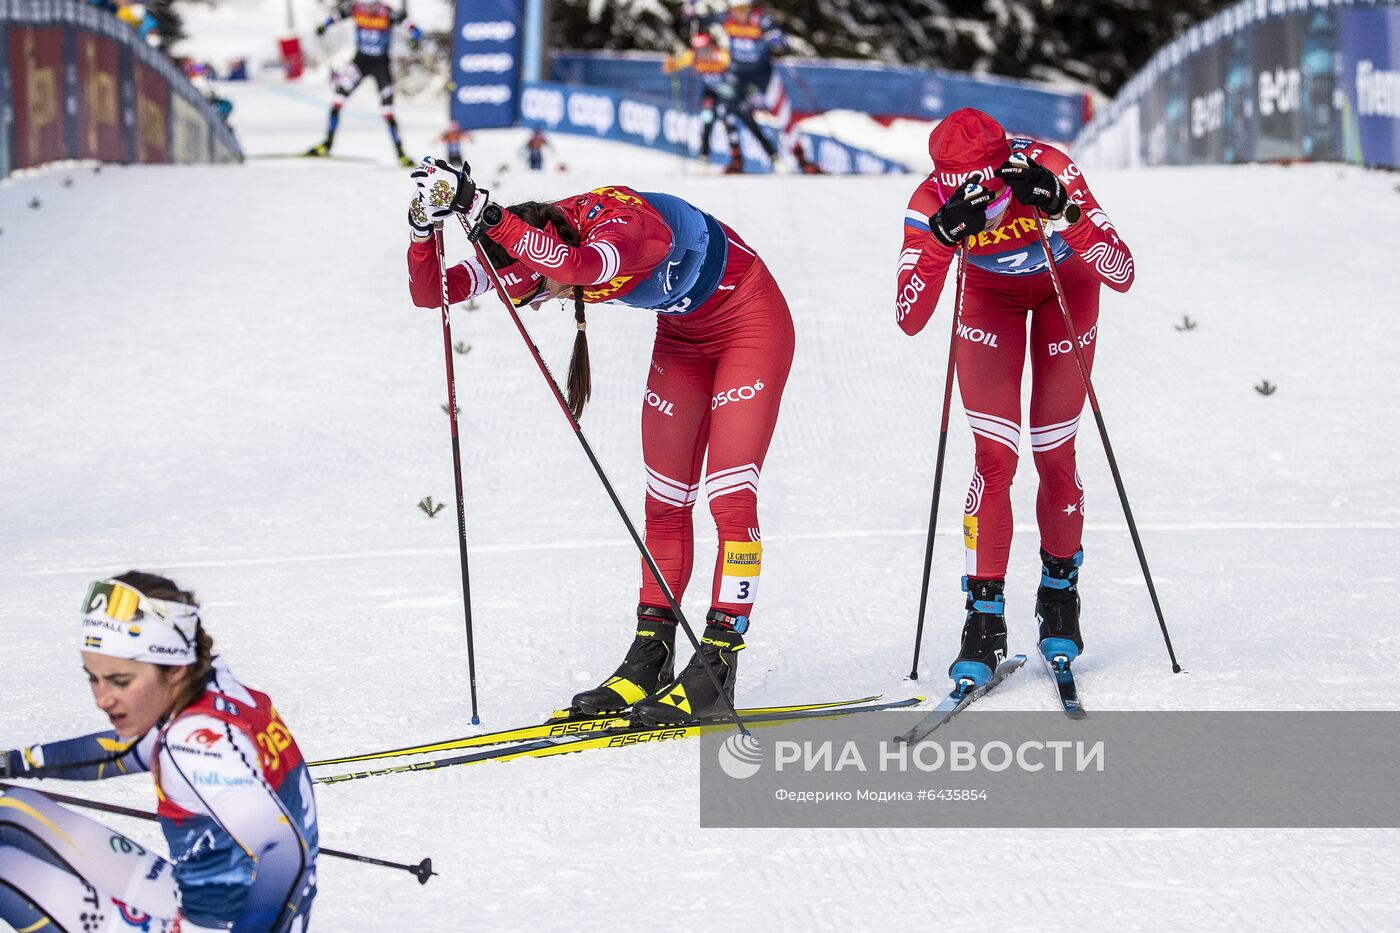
column 1103, row 434
column 422, row 871
column 598, row 468
column 457, row 474
column 802, row 85
column 938, row 460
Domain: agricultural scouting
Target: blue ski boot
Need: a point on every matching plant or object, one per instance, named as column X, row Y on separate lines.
column 983, row 634
column 1057, row 608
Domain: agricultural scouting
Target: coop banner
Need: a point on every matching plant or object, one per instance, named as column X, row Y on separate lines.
column 605, row 114
column 486, row 46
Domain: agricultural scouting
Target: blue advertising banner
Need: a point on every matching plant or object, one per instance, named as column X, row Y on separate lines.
column 1371, row 82
column 880, row 90
column 486, row 62
column 662, row 125
column 1263, row 80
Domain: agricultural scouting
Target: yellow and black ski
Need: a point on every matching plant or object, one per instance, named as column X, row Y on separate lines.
column 584, row 725
column 628, row 735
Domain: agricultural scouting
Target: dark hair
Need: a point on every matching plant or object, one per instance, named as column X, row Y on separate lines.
column 158, row 587
column 537, row 214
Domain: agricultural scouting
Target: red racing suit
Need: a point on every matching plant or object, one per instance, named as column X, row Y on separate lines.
column 724, row 344
column 1007, row 282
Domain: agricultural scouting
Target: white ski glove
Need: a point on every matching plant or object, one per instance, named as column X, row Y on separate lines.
column 443, row 191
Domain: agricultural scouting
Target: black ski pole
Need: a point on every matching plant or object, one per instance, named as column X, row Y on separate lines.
column 816, row 105
column 598, row 468
column 457, row 473
column 1103, row 432
column 938, row 460
column 422, row 871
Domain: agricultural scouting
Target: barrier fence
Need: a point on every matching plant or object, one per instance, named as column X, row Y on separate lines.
column 666, row 126
column 1263, row 80
column 78, row 83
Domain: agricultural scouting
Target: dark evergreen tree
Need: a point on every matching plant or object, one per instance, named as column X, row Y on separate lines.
column 1101, row 44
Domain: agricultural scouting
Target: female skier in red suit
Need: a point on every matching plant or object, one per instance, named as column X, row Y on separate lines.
column 988, row 195
column 724, row 344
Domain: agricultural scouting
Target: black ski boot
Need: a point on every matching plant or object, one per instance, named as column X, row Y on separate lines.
column 983, row 634
column 648, row 666
column 1057, row 607
column 693, row 695
column 320, row 150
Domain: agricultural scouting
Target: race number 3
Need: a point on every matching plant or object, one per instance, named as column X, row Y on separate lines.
column 743, row 561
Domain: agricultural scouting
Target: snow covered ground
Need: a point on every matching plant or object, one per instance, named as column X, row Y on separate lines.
column 216, row 373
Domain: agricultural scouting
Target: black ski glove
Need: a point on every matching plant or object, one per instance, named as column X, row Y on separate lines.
column 1034, row 185
column 963, row 215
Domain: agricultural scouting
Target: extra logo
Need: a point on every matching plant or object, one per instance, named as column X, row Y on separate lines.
column 203, row 738
column 739, row 394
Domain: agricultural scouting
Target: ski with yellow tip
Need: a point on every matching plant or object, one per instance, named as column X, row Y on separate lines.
column 557, row 727
column 623, row 737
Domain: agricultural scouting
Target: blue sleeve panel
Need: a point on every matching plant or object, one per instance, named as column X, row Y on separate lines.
column 87, row 758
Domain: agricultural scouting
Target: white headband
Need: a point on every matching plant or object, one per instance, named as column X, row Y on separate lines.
column 121, row 622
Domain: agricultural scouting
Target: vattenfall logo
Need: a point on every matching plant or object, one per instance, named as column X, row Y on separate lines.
column 741, row 756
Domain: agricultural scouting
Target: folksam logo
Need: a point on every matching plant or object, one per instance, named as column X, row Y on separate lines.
column 740, row 756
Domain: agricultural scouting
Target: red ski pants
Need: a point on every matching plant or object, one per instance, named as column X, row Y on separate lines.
column 992, row 349
column 716, row 380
